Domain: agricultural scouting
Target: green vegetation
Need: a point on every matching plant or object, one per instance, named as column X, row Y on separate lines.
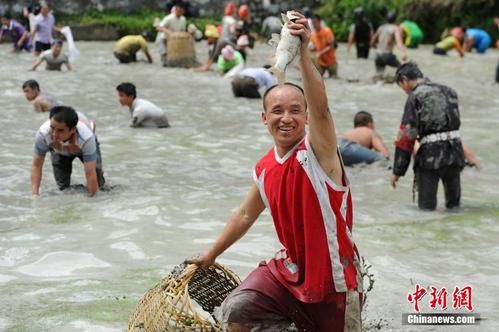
column 126, row 24
column 133, row 23
column 433, row 16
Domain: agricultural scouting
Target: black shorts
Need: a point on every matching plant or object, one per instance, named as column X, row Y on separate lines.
column 386, row 59
column 40, row 47
column 439, row 51
column 126, row 58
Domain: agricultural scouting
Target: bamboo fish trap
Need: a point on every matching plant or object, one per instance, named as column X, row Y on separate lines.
column 184, row 300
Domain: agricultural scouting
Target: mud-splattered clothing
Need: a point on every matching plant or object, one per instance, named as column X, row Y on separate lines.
column 431, row 116
column 430, row 108
column 315, row 280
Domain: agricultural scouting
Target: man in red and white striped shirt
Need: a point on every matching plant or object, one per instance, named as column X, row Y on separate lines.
column 315, row 280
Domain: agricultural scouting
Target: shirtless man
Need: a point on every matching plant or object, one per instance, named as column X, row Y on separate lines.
column 362, row 144
column 42, row 101
column 385, row 39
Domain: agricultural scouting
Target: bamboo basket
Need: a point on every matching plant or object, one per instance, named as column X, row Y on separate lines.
column 177, row 301
column 180, row 50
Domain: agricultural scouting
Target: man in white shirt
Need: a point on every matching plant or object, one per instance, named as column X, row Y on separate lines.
column 174, row 22
column 143, row 112
column 67, row 135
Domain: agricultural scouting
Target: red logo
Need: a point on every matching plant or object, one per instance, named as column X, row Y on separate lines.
column 416, row 296
column 461, row 297
column 438, row 298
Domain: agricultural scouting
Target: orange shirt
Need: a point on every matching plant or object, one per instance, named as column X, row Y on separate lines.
column 322, row 39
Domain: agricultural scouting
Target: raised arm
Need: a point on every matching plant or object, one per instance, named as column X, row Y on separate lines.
column 237, row 225
column 36, row 173
column 322, row 135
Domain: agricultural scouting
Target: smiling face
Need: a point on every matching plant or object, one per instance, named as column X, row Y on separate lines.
column 285, row 116
column 60, row 131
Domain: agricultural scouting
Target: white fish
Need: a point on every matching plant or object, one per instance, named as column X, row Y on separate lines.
column 287, row 47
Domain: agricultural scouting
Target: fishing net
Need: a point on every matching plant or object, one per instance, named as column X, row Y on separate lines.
column 180, row 50
column 184, row 300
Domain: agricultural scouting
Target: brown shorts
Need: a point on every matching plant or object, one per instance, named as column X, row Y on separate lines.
column 262, row 303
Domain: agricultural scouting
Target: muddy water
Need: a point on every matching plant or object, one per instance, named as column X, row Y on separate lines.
column 72, row 263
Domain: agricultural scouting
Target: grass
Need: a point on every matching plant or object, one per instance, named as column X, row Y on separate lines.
column 128, row 24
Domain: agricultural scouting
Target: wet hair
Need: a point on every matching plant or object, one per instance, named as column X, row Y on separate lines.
column 299, row 88
column 362, row 119
column 31, row 84
column 128, row 89
column 391, row 16
column 64, row 114
column 409, row 70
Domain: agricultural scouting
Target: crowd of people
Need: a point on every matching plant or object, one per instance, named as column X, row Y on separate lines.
column 315, row 281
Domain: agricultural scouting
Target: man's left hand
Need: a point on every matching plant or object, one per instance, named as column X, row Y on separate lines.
column 301, row 29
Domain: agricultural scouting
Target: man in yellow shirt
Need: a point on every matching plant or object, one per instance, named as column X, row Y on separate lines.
column 126, row 48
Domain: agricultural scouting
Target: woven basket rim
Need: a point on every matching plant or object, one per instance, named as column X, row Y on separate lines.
column 172, row 298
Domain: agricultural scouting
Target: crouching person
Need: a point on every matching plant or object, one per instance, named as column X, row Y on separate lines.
column 315, row 280
column 249, row 80
column 67, row 135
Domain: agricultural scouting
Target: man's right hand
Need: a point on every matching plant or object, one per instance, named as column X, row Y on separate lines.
column 202, row 260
